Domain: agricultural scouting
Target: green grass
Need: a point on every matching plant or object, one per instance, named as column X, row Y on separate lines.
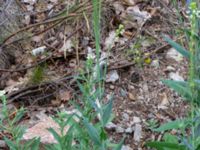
column 37, row 75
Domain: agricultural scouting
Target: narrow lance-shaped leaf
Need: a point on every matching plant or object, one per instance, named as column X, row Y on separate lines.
column 55, row 135
column 92, row 131
column 10, row 144
column 177, row 124
column 164, row 145
column 107, row 112
column 180, row 87
column 178, row 47
column 170, row 138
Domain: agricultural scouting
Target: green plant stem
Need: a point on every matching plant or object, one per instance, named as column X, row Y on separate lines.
column 192, row 71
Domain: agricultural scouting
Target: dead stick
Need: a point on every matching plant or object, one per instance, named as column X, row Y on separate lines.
column 37, row 24
column 29, row 67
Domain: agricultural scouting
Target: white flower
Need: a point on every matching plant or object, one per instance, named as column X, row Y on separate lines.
column 2, row 93
column 90, row 54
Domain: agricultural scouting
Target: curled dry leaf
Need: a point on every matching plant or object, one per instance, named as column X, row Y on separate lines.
column 164, row 101
column 40, row 130
column 140, row 16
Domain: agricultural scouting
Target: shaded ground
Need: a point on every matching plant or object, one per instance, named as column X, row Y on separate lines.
column 139, row 94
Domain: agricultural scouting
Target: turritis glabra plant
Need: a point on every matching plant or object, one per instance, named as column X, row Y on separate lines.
column 189, row 90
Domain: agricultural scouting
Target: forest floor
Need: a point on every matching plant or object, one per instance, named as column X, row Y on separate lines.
column 41, row 78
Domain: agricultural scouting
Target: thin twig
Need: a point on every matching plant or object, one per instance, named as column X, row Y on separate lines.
column 149, row 55
column 28, row 67
column 37, row 24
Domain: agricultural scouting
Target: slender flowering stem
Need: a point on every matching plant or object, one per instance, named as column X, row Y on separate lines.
column 192, row 69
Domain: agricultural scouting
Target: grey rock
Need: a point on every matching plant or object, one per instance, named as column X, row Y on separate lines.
column 111, row 126
column 119, row 129
column 129, row 130
column 135, row 120
column 137, row 132
column 112, row 76
column 175, row 76
column 155, row 63
column 126, row 147
column 2, row 144
column 125, row 116
column 173, row 54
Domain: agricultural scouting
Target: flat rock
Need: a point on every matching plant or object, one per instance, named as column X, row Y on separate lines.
column 129, row 130
column 137, row 132
column 119, row 129
column 173, row 54
column 126, row 147
column 175, row 76
column 111, row 126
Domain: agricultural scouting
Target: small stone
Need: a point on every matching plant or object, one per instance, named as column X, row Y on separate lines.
column 112, row 76
column 112, row 87
column 111, row 126
column 155, row 63
column 119, row 129
column 136, row 120
column 162, row 107
column 125, row 116
column 175, row 76
column 2, row 144
column 123, row 93
column 126, row 147
column 129, row 130
column 173, row 54
column 170, row 69
column 137, row 132
column 145, row 88
column 38, row 51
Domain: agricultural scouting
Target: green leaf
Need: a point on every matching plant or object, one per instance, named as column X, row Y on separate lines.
column 170, row 138
column 178, row 47
column 119, row 146
column 55, row 135
column 36, row 144
column 92, row 131
column 107, row 112
column 18, row 116
column 67, row 139
column 10, row 144
column 177, row 124
column 164, row 145
column 180, row 87
column 197, row 81
column 32, row 144
column 51, row 147
column 103, row 135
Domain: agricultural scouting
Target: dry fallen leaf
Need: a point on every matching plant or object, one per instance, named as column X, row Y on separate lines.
column 64, row 95
column 129, row 2
column 136, row 14
column 131, row 96
column 164, row 101
column 40, row 130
